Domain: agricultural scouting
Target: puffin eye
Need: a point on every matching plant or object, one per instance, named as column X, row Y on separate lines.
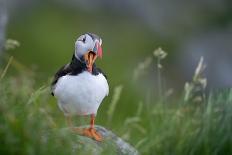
column 84, row 39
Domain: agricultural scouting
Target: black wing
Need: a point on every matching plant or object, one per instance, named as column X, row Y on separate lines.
column 66, row 69
column 97, row 70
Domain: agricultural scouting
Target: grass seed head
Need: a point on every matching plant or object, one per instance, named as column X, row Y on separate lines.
column 160, row 53
column 11, row 44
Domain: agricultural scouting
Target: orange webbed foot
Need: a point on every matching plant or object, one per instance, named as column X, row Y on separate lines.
column 92, row 133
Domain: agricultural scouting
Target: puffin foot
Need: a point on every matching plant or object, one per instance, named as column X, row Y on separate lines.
column 92, row 133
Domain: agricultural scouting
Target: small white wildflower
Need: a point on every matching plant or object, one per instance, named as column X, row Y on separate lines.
column 11, row 44
column 159, row 53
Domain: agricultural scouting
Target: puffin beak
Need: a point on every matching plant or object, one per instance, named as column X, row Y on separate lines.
column 92, row 55
column 90, row 58
column 99, row 50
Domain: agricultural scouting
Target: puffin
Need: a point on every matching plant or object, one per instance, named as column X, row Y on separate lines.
column 80, row 86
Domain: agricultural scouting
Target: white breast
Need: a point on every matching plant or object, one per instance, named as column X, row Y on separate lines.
column 81, row 94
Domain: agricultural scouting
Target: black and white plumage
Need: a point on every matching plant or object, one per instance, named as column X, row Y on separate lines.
column 80, row 86
column 80, row 91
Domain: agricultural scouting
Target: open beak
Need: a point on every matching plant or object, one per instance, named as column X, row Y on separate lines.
column 91, row 56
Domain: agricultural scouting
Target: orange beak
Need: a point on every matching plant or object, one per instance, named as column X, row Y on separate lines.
column 90, row 58
column 99, row 50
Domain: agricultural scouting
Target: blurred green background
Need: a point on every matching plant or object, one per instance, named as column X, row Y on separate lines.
column 131, row 31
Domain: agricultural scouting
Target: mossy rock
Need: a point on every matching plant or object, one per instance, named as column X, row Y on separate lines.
column 78, row 144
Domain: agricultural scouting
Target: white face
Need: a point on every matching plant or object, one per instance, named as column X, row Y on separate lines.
column 84, row 44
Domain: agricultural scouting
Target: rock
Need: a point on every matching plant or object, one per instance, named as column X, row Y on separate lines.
column 80, row 144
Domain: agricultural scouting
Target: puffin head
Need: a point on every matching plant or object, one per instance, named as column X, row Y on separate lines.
column 88, row 48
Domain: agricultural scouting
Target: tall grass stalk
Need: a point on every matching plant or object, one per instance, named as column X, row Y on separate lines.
column 195, row 89
column 6, row 68
column 159, row 54
column 112, row 106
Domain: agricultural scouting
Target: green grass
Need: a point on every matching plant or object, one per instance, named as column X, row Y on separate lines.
column 28, row 114
column 194, row 123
